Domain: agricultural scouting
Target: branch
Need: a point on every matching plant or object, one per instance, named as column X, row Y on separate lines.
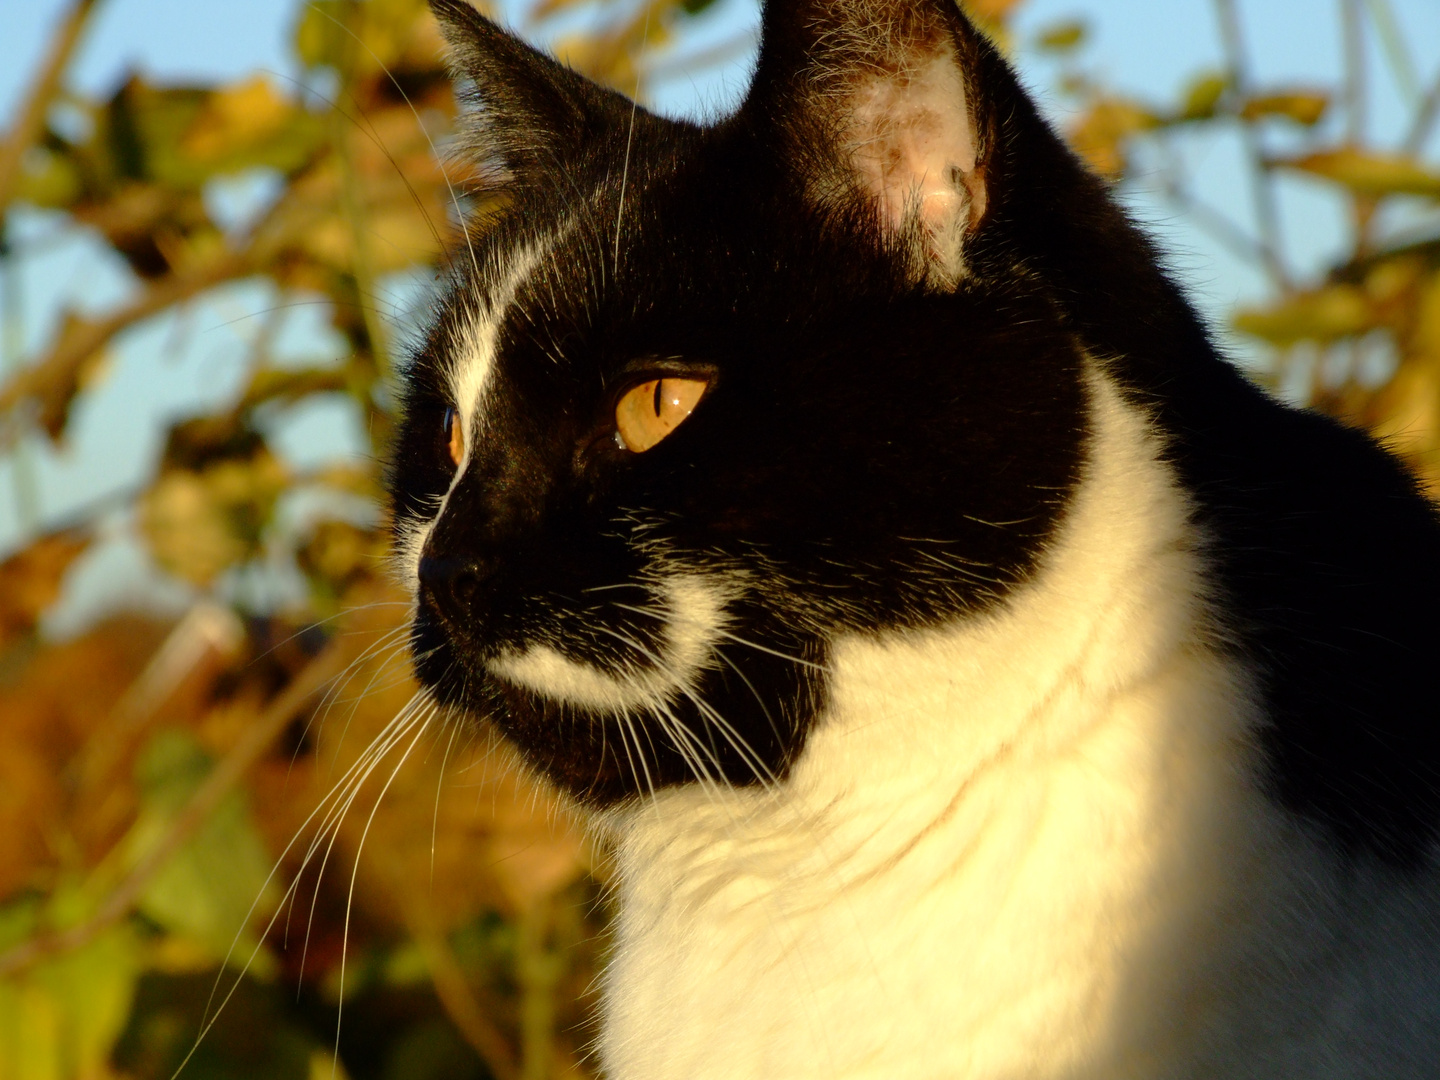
column 222, row 779
column 54, row 379
column 1267, row 213
column 31, row 120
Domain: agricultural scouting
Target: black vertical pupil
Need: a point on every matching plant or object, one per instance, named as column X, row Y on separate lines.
column 446, row 427
column 659, row 383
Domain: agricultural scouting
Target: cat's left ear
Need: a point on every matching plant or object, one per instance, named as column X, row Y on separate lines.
column 528, row 116
column 879, row 98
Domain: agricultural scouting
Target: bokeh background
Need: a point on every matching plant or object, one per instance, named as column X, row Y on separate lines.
column 221, row 812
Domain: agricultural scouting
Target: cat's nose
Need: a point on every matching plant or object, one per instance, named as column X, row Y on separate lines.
column 452, row 584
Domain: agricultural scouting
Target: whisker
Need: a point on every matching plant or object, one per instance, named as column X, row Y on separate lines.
column 737, row 742
column 354, row 874
column 658, row 613
column 326, row 805
column 435, row 820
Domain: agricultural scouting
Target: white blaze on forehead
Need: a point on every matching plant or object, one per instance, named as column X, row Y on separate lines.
column 694, row 620
column 473, row 360
column 467, row 371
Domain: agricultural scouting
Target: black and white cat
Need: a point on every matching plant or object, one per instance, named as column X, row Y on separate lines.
column 975, row 676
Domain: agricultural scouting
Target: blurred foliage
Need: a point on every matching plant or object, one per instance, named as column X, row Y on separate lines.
column 154, row 774
column 1359, row 337
column 183, row 804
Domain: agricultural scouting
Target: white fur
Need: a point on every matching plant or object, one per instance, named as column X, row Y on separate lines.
column 695, row 618
column 1027, row 845
column 468, row 373
column 473, row 361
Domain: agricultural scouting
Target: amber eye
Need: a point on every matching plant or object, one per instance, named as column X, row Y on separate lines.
column 452, row 430
column 649, row 412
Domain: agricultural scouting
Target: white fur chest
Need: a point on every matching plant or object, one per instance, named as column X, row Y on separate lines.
column 1004, row 852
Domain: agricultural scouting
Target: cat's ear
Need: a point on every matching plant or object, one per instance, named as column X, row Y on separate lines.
column 878, row 98
column 527, row 115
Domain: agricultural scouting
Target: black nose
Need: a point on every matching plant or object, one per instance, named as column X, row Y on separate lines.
column 452, row 584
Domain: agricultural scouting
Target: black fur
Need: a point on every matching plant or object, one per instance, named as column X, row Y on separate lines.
column 872, row 453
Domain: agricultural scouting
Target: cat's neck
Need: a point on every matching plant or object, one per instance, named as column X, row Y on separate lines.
column 1013, row 830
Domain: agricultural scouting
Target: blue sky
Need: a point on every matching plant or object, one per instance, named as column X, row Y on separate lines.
column 172, row 367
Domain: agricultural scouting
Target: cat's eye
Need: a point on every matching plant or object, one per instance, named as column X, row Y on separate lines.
column 453, row 431
column 649, row 412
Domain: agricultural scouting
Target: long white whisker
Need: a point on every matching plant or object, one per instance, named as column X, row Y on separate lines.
column 354, row 873
column 737, row 742
column 439, row 783
column 629, row 138
column 209, row 1019
column 657, row 613
column 374, row 758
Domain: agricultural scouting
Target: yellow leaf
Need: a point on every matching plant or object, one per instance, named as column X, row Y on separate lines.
column 1368, row 173
column 1302, row 106
column 1100, row 135
column 199, row 523
column 1332, row 312
column 991, row 11
column 1426, row 339
column 60, row 1019
column 244, row 113
column 1202, row 96
column 30, row 580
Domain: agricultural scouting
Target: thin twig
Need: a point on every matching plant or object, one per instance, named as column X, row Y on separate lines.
column 30, row 122
column 1267, row 213
column 353, row 205
column 1216, row 223
column 52, row 380
column 222, row 779
column 1387, row 28
column 461, row 1004
column 1425, row 114
column 1353, row 29
column 1362, row 207
column 1219, row 224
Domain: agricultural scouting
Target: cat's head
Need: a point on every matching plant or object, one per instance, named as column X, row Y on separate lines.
column 698, row 400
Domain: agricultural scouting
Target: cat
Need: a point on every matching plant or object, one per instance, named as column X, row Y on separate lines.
column 972, row 674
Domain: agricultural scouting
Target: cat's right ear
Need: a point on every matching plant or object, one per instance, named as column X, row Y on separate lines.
column 526, row 114
column 879, row 103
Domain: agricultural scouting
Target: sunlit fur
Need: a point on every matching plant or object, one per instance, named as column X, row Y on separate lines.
column 1028, row 845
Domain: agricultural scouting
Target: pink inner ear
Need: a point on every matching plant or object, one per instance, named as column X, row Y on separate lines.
column 913, row 148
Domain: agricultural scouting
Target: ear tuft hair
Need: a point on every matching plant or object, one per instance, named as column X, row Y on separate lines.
column 528, row 115
column 886, row 85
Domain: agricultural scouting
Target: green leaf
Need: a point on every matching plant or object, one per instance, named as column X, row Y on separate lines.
column 1368, row 173
column 60, row 1018
column 1062, row 36
column 207, row 888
